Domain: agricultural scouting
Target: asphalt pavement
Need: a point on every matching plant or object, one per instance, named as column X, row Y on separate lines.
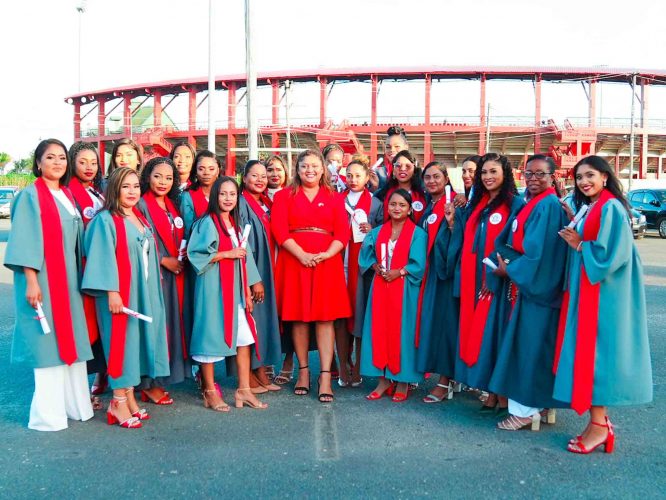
column 350, row 449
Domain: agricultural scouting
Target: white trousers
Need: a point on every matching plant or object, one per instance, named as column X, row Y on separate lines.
column 521, row 411
column 61, row 392
column 243, row 338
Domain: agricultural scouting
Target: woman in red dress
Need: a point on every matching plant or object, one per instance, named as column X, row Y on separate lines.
column 310, row 225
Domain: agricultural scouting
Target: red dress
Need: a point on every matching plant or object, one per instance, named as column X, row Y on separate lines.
column 310, row 293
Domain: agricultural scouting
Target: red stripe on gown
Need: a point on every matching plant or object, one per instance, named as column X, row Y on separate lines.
column 263, row 216
column 171, row 238
column 387, row 300
column 199, row 201
column 54, row 258
column 473, row 316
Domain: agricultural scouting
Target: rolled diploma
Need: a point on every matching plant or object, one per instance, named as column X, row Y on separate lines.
column 447, row 190
column 382, row 250
column 137, row 315
column 183, row 245
column 377, row 164
column 489, row 263
column 581, row 213
column 245, row 235
column 42, row 319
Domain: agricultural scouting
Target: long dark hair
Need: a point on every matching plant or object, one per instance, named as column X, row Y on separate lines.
column 204, row 153
column 407, row 197
column 39, row 152
column 213, row 202
column 281, row 161
column 74, row 151
column 415, row 183
column 552, row 167
column 612, row 183
column 144, row 179
column 126, row 141
column 325, row 180
column 184, row 144
column 508, row 190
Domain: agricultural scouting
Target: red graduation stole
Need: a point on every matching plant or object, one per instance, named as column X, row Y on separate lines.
column 171, row 240
column 352, row 259
column 227, row 280
column 433, row 229
column 119, row 321
column 416, row 197
column 387, row 300
column 84, row 203
column 473, row 316
column 263, row 216
column 521, row 219
column 199, row 200
column 54, row 258
column 388, row 165
column 588, row 319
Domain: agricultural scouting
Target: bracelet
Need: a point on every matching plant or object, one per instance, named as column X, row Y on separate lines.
column 579, row 246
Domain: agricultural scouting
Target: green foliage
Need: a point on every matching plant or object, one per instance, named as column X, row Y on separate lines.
column 15, row 179
column 24, row 165
column 4, row 158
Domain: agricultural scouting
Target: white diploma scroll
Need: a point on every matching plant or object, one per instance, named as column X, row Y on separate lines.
column 181, row 250
column 447, row 190
column 46, row 329
column 358, row 217
column 489, row 263
column 581, row 213
column 377, row 164
column 137, row 315
column 245, row 235
column 382, row 251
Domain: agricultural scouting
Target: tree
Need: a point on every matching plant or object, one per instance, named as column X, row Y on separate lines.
column 4, row 158
column 23, row 165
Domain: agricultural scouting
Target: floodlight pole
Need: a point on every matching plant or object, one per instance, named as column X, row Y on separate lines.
column 251, row 86
column 631, row 130
column 211, row 79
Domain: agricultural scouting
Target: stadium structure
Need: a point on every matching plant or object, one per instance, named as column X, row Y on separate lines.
column 147, row 113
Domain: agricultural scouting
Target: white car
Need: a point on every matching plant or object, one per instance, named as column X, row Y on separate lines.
column 7, row 194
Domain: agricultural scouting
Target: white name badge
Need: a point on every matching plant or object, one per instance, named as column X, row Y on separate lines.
column 417, row 205
column 496, row 218
column 432, row 218
column 514, row 225
column 89, row 212
column 178, row 222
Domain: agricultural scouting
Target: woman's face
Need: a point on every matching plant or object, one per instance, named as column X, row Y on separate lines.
column 537, row 177
column 468, row 171
column 310, row 171
column 130, row 191
column 126, row 156
column 398, row 208
column 357, row 177
column 276, row 175
column 256, row 180
column 228, row 197
column 403, row 170
column 335, row 156
column 85, row 165
column 492, row 176
column 53, row 163
column 161, row 179
column 394, row 145
column 207, row 171
column 183, row 159
column 590, row 181
column 435, row 180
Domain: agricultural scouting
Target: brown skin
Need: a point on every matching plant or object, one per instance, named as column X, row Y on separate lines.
column 85, row 167
column 160, row 182
column 183, row 159
column 207, row 172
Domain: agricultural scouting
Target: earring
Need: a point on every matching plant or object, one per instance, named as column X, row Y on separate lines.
column 604, row 183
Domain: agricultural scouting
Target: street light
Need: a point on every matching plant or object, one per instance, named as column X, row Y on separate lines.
column 81, row 8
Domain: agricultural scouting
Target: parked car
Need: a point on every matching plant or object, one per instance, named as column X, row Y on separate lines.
column 638, row 224
column 652, row 204
column 7, row 194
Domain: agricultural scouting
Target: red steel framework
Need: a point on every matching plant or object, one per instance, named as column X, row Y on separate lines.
column 431, row 138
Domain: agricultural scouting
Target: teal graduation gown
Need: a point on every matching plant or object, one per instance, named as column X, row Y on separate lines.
column 622, row 367
column 208, row 326
column 264, row 313
column 478, row 375
column 524, row 367
column 415, row 269
column 146, row 347
column 25, row 248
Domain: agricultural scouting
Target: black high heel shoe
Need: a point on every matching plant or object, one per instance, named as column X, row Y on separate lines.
column 300, row 390
column 324, row 396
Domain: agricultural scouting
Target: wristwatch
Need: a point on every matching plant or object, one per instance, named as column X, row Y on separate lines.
column 403, row 273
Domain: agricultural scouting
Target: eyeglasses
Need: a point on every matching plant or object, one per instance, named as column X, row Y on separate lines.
column 538, row 175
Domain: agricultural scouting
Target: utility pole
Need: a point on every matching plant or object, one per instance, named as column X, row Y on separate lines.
column 251, row 86
column 287, row 91
column 631, row 129
column 211, row 79
column 488, row 129
column 81, row 8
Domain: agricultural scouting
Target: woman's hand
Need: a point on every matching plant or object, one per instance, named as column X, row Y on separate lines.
column 571, row 236
column 321, row 257
column 236, row 253
column 172, row 264
column 33, row 293
column 567, row 209
column 258, row 292
column 450, row 213
column 373, row 179
column 459, row 201
column 115, row 303
column 390, row 275
column 378, row 269
column 501, row 268
column 307, row 259
column 365, row 227
column 249, row 305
